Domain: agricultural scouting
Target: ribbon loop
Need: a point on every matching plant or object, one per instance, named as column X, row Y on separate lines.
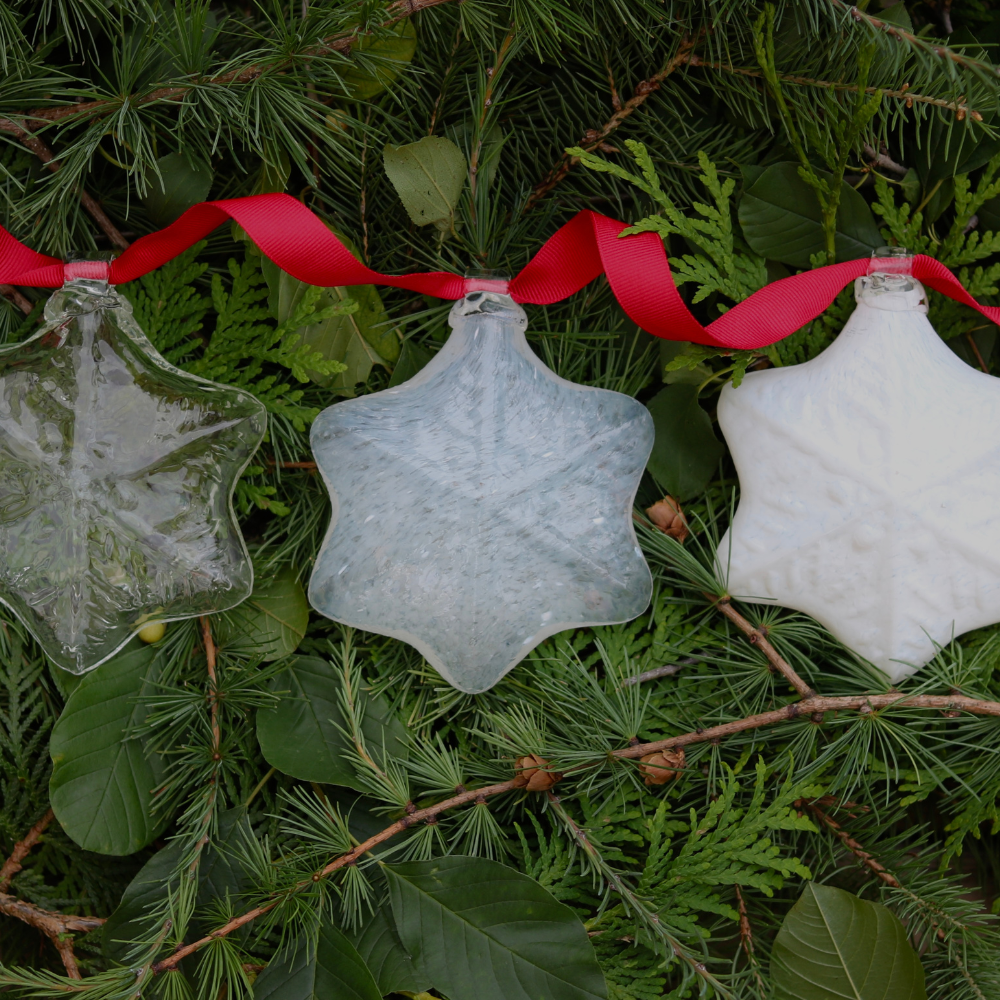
column 99, row 269
column 486, row 285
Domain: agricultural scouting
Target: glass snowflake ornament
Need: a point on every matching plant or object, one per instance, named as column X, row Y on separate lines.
column 483, row 505
column 870, row 482
column 116, row 479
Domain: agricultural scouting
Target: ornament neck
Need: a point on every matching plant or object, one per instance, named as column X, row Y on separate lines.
column 889, row 284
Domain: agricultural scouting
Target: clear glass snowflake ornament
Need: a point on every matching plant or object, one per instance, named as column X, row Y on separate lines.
column 869, row 482
column 116, row 479
column 483, row 505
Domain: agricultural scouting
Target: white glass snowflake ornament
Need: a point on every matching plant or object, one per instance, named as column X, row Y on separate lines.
column 483, row 505
column 870, row 482
column 116, row 476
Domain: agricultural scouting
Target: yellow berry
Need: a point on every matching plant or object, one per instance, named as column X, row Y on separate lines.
column 153, row 632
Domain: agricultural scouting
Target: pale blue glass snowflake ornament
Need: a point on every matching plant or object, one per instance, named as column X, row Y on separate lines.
column 116, row 479
column 483, row 505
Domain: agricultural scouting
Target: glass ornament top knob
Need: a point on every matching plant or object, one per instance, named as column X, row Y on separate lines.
column 116, row 476
column 483, row 505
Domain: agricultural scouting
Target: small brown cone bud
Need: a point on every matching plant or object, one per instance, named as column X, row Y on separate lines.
column 662, row 767
column 667, row 515
column 532, row 769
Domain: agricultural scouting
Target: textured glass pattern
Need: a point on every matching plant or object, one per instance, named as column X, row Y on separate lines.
column 483, row 505
column 869, row 481
column 116, row 478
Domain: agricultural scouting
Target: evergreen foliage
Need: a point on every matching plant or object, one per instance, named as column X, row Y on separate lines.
column 665, row 116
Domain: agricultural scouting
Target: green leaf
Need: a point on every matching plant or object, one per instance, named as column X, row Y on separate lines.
column 944, row 156
column 179, row 185
column 359, row 340
column 989, row 216
column 428, row 177
column 218, row 877
column 897, row 14
column 102, row 783
column 379, row 946
column 271, row 622
column 300, row 735
column 412, row 358
column 834, row 946
column 482, row 931
column 331, row 969
column 147, row 889
column 780, row 216
column 686, row 451
column 388, row 55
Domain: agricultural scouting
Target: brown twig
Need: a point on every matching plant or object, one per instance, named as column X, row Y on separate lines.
column 57, row 927
column 977, row 352
column 916, row 41
column 593, row 138
column 446, row 79
column 667, row 670
column 13, row 864
column 12, row 295
column 903, row 94
column 90, row 204
column 850, row 843
column 758, row 638
column 746, row 938
column 411, row 819
column 213, row 686
column 492, row 75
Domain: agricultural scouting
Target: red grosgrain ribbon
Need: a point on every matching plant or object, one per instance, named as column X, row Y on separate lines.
column 587, row 246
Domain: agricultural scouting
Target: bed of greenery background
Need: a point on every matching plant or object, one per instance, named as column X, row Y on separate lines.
column 759, row 141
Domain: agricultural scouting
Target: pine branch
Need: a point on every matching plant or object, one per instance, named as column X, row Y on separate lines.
column 758, row 638
column 593, row 138
column 852, row 845
column 902, row 94
column 90, row 204
column 815, row 706
column 915, row 41
column 42, row 117
column 411, row 819
column 746, row 939
column 639, row 907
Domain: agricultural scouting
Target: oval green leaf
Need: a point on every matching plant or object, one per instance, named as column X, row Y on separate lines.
column 428, row 177
column 685, row 451
column 834, row 946
column 382, row 60
column 379, row 946
column 332, row 968
column 149, row 887
column 271, row 622
column 102, row 783
column 179, row 185
column 780, row 217
column 412, row 358
column 301, row 735
column 482, row 931
column 218, row 877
